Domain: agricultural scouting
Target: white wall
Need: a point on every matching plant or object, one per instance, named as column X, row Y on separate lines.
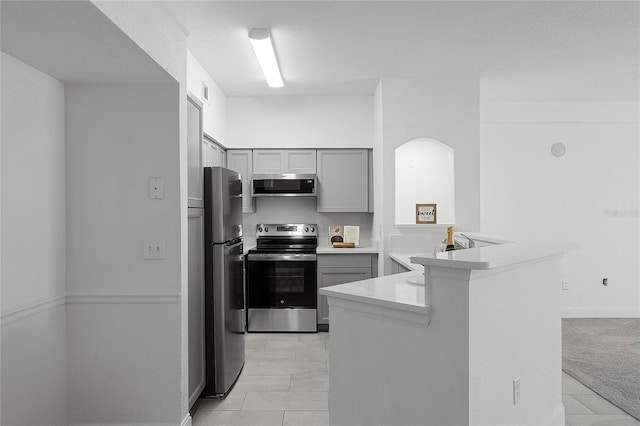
column 214, row 110
column 445, row 109
column 33, row 247
column 378, row 177
column 160, row 31
column 589, row 197
column 300, row 122
column 303, row 210
column 124, row 334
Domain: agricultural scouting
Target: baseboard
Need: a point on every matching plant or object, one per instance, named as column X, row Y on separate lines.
column 186, row 421
column 556, row 417
column 196, row 394
column 598, row 312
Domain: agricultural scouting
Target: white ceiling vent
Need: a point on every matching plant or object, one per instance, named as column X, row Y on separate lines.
column 205, row 91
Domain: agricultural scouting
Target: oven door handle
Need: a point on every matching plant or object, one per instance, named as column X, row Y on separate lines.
column 270, row 257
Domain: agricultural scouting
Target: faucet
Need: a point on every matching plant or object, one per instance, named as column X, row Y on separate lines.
column 472, row 242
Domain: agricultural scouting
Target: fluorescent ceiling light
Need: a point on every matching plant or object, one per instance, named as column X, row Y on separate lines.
column 261, row 42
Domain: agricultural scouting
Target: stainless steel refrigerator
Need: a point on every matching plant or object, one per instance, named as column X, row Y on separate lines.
column 224, row 280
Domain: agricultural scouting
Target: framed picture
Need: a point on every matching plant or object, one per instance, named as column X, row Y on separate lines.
column 426, row 213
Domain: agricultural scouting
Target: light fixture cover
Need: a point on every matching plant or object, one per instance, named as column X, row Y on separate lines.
column 262, row 46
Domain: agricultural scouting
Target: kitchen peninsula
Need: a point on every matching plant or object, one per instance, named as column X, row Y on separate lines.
column 478, row 344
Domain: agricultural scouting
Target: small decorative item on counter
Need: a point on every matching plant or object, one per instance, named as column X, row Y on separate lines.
column 450, row 243
column 343, row 245
column 352, row 234
column 335, row 234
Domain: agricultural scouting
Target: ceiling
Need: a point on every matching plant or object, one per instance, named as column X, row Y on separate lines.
column 519, row 50
column 74, row 42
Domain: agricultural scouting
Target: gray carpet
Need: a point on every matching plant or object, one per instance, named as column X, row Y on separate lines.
column 604, row 355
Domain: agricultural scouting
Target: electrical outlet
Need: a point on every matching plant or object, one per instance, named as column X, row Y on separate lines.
column 154, row 248
column 516, row 390
column 565, row 285
column 156, row 188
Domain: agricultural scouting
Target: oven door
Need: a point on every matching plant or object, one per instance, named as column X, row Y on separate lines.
column 278, row 280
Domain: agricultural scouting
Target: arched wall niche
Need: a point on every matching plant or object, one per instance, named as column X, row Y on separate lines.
column 424, row 175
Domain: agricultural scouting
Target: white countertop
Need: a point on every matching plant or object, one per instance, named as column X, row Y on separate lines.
column 391, row 291
column 250, row 243
column 491, row 257
column 405, row 260
column 404, row 292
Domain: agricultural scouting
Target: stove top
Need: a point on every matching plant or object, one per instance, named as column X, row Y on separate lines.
column 286, row 238
column 287, row 230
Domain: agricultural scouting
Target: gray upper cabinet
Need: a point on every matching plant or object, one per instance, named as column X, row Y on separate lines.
column 343, row 180
column 241, row 160
column 213, row 154
column 194, row 153
column 300, row 161
column 276, row 161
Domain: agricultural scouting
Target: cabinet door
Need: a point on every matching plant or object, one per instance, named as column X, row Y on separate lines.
column 300, row 161
column 370, row 179
column 240, row 160
column 196, row 303
column 194, row 153
column 398, row 268
column 343, row 180
column 210, row 153
column 223, row 157
column 205, row 154
column 276, row 161
column 268, row 161
column 333, row 276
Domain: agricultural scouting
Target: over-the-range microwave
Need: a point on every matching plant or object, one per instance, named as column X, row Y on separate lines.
column 284, row 185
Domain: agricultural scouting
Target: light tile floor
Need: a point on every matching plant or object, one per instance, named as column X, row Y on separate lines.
column 583, row 407
column 285, row 381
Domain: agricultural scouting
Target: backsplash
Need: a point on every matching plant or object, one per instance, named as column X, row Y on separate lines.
column 303, row 210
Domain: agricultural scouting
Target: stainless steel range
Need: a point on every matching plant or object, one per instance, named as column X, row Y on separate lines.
column 281, row 279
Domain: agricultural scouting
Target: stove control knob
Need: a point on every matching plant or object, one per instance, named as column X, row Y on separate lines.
column 282, row 301
column 306, row 229
column 266, row 229
column 260, row 229
column 313, row 229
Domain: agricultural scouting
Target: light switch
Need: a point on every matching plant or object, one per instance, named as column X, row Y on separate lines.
column 156, row 188
column 154, row 248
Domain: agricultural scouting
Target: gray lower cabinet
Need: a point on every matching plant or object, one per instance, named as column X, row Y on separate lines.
column 397, row 267
column 339, row 269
